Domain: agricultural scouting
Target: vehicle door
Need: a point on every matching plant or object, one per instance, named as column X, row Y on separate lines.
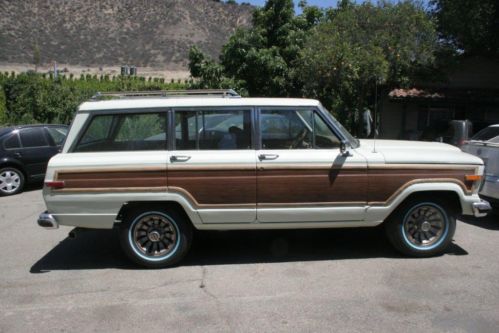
column 213, row 163
column 302, row 176
column 36, row 150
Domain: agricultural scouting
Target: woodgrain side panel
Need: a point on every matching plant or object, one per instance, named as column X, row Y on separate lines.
column 109, row 179
column 215, row 187
column 384, row 183
column 274, row 187
column 325, row 185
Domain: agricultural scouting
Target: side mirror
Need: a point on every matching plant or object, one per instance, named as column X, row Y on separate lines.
column 344, row 148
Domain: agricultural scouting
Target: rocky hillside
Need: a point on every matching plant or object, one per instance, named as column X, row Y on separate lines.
column 154, row 33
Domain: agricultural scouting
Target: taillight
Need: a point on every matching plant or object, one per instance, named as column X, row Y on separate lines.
column 55, row 184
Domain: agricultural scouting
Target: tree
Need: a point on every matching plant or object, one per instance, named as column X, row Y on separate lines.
column 261, row 59
column 359, row 46
column 471, row 27
column 337, row 55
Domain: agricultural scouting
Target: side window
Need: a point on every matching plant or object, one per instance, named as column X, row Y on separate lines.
column 124, row 132
column 57, row 134
column 213, row 129
column 12, row 142
column 295, row 129
column 33, row 137
column 324, row 137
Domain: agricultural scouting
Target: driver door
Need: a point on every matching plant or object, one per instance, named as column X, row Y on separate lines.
column 301, row 174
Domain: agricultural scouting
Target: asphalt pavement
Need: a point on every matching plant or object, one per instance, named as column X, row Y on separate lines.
column 259, row 281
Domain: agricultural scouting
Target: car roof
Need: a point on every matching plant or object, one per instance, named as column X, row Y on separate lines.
column 6, row 130
column 145, row 103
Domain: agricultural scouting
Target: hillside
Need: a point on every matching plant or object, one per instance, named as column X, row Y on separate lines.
column 152, row 33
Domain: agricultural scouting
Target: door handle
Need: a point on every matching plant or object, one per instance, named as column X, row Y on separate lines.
column 179, row 158
column 18, row 155
column 267, row 157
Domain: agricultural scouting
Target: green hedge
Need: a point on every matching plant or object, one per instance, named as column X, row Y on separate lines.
column 38, row 98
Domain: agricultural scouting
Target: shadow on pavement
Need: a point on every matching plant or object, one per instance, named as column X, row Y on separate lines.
column 490, row 222
column 98, row 249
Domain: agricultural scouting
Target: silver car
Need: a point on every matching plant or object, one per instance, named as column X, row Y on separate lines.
column 485, row 144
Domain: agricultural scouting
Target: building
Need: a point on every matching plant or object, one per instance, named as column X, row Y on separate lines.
column 471, row 92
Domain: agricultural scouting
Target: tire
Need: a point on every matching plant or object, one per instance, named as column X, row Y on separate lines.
column 154, row 237
column 11, row 181
column 421, row 228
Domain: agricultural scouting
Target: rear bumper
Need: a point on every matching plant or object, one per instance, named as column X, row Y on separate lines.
column 481, row 208
column 47, row 221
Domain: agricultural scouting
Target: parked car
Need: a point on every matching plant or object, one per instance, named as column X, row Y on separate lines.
column 24, row 154
column 485, row 144
column 158, row 167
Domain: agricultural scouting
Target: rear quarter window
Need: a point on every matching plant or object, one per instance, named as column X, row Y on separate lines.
column 12, row 142
column 124, row 132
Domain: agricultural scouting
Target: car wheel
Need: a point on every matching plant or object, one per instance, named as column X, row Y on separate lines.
column 11, row 181
column 421, row 228
column 155, row 238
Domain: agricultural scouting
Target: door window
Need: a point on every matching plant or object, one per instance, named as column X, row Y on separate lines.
column 33, row 137
column 58, row 134
column 213, row 129
column 12, row 142
column 295, row 129
column 124, row 132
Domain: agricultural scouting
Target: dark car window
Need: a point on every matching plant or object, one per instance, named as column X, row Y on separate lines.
column 213, row 129
column 12, row 142
column 58, row 134
column 486, row 134
column 125, row 132
column 295, row 129
column 33, row 137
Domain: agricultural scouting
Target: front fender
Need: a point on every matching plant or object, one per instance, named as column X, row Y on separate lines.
column 379, row 212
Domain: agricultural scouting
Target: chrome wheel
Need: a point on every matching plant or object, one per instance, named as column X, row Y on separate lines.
column 154, row 236
column 425, row 226
column 10, row 181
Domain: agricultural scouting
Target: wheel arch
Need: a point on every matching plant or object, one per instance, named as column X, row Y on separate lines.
column 130, row 206
column 449, row 197
column 450, row 192
column 7, row 162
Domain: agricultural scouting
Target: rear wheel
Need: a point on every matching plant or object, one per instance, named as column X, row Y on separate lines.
column 11, row 181
column 422, row 228
column 155, row 238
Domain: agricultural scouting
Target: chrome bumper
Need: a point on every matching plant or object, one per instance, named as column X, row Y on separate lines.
column 47, row 221
column 481, row 208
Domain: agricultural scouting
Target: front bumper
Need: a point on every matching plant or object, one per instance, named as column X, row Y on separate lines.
column 481, row 208
column 47, row 221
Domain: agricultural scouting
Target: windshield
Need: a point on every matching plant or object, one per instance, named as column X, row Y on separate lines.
column 486, row 134
column 354, row 142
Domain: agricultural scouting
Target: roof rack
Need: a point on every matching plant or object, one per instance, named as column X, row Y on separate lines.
column 223, row 93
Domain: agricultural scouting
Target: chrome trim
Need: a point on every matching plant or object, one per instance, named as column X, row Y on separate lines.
column 481, row 208
column 47, row 221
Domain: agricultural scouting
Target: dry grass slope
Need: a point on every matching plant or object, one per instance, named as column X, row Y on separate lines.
column 153, row 33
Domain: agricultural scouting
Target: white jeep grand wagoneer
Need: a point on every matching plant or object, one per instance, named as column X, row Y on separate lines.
column 157, row 166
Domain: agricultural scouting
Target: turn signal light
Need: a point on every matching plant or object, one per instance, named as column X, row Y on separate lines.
column 55, row 184
column 473, row 178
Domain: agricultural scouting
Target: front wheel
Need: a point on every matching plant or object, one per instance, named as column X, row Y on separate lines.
column 421, row 228
column 155, row 238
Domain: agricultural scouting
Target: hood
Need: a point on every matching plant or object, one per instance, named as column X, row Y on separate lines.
column 399, row 151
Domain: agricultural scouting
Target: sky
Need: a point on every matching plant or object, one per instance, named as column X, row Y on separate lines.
column 320, row 3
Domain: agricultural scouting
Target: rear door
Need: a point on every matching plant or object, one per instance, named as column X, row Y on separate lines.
column 36, row 151
column 301, row 174
column 213, row 163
